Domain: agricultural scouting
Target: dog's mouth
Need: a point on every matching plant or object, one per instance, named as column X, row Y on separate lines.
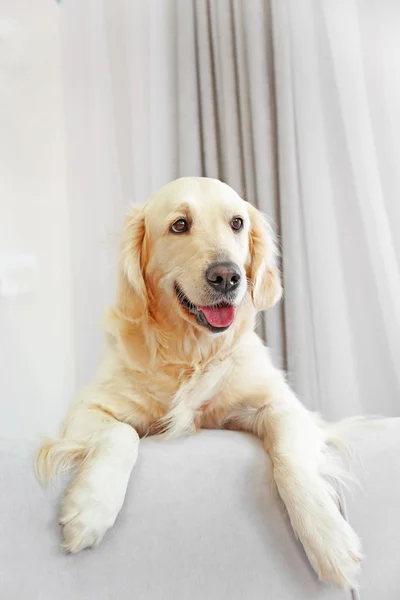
column 216, row 317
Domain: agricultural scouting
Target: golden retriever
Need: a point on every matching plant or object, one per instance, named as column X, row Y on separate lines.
column 196, row 264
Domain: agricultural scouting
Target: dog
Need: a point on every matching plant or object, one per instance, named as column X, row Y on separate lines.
column 197, row 263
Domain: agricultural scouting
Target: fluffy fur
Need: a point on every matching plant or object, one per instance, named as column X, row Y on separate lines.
column 163, row 372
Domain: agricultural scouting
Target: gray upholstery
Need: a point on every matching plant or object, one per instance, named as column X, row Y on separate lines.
column 200, row 521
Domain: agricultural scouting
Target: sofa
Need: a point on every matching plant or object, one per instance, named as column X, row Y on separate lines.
column 201, row 521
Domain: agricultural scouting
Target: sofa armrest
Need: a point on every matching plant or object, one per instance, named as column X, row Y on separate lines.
column 373, row 508
column 200, row 521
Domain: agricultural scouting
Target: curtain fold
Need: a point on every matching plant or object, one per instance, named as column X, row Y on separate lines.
column 292, row 103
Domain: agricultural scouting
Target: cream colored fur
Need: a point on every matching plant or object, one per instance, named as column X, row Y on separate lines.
column 164, row 373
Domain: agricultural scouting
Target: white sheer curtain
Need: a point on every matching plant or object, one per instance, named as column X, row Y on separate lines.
column 36, row 358
column 293, row 103
column 338, row 89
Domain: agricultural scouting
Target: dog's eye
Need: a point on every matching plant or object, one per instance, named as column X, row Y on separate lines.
column 237, row 223
column 180, row 226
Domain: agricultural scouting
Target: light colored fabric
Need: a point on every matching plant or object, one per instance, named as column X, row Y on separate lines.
column 200, row 521
column 292, row 103
column 373, row 509
column 36, row 322
column 337, row 90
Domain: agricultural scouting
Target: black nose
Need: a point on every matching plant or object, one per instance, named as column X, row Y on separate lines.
column 223, row 276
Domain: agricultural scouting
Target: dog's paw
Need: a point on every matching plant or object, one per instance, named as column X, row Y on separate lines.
column 85, row 517
column 335, row 553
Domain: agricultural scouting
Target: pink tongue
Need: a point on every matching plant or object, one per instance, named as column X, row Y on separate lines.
column 219, row 317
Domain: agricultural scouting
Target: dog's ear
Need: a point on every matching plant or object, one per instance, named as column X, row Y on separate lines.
column 128, row 320
column 266, row 288
column 132, row 299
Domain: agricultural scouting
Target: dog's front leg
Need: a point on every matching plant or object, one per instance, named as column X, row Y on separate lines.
column 297, row 446
column 104, row 452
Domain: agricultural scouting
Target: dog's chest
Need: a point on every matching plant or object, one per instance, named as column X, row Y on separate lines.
column 188, row 381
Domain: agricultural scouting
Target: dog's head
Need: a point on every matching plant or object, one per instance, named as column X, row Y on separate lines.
column 195, row 253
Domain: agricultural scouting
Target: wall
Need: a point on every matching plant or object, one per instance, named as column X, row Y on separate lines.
column 36, row 368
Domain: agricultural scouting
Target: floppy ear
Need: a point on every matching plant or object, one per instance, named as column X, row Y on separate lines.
column 124, row 320
column 132, row 300
column 263, row 272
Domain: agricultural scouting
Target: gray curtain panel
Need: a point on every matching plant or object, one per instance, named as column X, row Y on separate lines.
column 293, row 103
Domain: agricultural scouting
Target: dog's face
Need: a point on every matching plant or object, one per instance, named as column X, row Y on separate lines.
column 198, row 236
column 200, row 250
